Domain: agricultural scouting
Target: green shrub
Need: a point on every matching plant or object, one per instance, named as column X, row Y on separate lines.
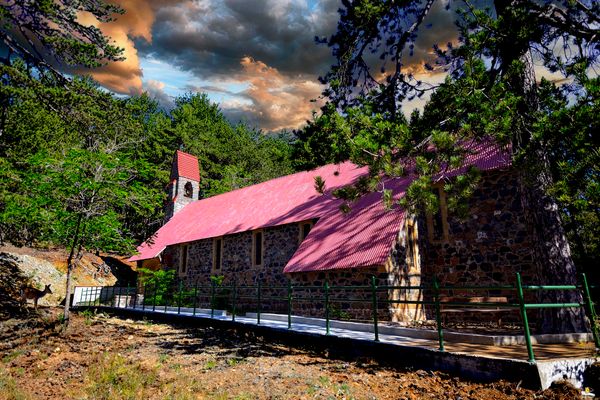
column 88, row 316
column 335, row 312
column 158, row 285
column 222, row 295
column 162, row 289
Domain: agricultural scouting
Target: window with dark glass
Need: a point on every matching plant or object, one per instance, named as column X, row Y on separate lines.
column 218, row 251
column 188, row 190
column 184, row 260
column 305, row 230
column 257, row 248
column 410, row 243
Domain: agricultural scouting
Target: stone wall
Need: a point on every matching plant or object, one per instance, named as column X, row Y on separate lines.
column 279, row 245
column 176, row 191
column 487, row 247
column 361, row 308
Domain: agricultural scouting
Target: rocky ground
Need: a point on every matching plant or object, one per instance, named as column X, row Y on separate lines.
column 102, row 357
column 21, row 266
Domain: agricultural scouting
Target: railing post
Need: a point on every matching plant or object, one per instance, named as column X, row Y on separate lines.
column 326, row 307
column 135, row 293
column 375, row 312
column 165, row 299
column 119, row 296
column 289, row 301
column 179, row 299
column 212, row 299
column 195, row 298
column 438, row 313
column 144, row 286
column 258, row 304
column 127, row 294
column 154, row 298
column 591, row 310
column 234, row 300
column 530, row 356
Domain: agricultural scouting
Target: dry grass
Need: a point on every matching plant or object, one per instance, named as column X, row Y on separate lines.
column 9, row 388
column 109, row 358
column 112, row 376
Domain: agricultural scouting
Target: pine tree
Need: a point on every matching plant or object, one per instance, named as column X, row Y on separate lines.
column 491, row 91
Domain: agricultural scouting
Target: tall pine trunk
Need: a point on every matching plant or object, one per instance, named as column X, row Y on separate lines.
column 551, row 251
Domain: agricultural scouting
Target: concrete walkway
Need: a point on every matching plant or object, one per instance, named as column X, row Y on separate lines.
column 463, row 344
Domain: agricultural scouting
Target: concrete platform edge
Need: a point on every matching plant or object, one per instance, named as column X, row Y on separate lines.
column 491, row 340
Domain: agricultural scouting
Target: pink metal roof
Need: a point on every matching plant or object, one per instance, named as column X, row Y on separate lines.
column 187, row 166
column 279, row 201
column 363, row 237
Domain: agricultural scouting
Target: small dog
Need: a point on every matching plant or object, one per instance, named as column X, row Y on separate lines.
column 28, row 292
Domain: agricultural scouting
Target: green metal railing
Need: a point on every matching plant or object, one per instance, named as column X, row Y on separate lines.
column 234, row 297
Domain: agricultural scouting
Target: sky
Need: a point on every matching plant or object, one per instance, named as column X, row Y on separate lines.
column 257, row 58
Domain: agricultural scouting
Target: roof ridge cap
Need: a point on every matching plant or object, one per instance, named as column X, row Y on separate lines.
column 270, row 180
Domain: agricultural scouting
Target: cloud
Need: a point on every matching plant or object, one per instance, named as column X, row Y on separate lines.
column 209, row 37
column 217, row 42
column 258, row 58
column 437, row 29
column 125, row 77
column 272, row 100
column 155, row 90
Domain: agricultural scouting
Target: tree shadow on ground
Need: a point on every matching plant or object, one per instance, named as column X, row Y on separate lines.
column 11, row 281
column 242, row 344
column 221, row 343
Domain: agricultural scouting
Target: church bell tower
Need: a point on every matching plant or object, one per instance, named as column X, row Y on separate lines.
column 184, row 183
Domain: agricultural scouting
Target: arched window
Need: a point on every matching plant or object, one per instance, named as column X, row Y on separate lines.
column 188, row 190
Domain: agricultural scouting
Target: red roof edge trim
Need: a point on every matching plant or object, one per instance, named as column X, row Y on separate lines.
column 144, row 255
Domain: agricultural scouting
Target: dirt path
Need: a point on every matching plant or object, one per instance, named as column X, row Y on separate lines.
column 108, row 358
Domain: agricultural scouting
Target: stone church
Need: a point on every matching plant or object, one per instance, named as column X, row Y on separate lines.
column 283, row 229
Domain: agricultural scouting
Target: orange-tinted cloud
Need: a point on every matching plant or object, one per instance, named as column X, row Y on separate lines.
column 125, row 76
column 274, row 101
